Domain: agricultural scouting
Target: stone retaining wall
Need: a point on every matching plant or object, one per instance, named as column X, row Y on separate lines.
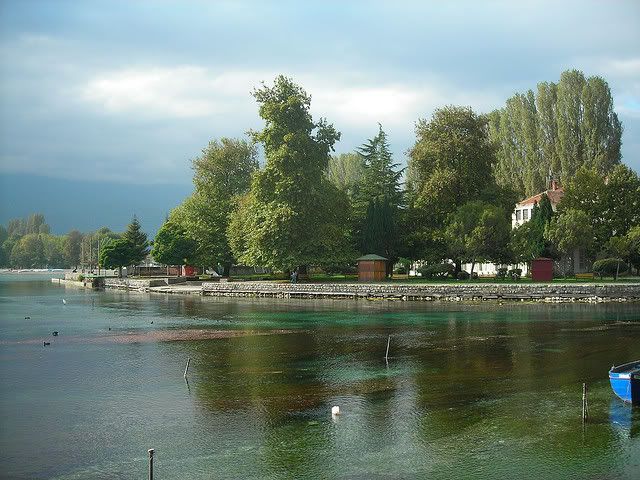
column 590, row 292
column 141, row 284
column 75, row 281
column 72, row 283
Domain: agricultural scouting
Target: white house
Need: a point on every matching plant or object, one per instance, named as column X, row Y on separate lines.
column 521, row 214
column 524, row 209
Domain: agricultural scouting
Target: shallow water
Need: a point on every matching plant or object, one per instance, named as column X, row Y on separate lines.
column 470, row 391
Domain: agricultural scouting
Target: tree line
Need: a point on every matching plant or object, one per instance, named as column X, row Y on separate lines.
column 28, row 243
column 452, row 205
column 306, row 206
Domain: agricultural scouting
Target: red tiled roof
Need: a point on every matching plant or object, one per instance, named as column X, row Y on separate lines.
column 554, row 197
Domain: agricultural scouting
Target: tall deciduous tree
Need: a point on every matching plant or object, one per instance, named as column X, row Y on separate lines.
column 345, row 171
column 291, row 216
column 633, row 236
column 569, row 231
column 36, row 224
column 53, row 247
column 4, row 235
column 73, row 247
column 612, row 204
column 478, row 231
column 556, row 131
column 116, row 254
column 222, row 173
column 547, row 135
column 28, row 252
column 172, row 245
column 450, row 164
column 92, row 243
column 17, row 227
column 621, row 200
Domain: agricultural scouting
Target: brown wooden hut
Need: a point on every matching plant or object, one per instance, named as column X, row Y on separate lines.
column 372, row 268
column 542, row 269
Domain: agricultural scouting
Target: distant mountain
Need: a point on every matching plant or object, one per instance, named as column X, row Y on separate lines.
column 69, row 204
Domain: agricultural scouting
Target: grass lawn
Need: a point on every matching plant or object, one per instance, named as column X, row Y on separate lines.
column 339, row 278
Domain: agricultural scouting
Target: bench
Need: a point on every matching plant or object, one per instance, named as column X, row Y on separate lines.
column 584, row 276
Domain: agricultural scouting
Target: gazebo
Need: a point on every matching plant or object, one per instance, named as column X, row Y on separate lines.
column 372, row 268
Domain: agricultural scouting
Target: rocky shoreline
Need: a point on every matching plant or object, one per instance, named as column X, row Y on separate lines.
column 587, row 292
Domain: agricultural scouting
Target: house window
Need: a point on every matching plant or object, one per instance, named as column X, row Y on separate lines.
column 518, row 215
column 525, row 214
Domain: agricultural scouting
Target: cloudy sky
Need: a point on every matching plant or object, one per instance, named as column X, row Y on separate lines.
column 117, row 96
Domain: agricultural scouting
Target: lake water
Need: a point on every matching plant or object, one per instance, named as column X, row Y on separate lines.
column 469, row 391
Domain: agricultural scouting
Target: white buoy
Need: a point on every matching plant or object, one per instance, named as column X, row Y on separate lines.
column 335, row 410
column 64, row 301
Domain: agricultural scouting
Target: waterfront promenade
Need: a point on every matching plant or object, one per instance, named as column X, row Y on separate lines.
column 447, row 292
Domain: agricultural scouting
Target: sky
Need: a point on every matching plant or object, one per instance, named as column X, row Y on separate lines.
column 103, row 104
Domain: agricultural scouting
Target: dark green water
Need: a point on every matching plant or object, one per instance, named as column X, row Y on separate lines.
column 470, row 391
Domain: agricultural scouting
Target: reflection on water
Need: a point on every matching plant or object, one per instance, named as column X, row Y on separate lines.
column 470, row 391
column 624, row 418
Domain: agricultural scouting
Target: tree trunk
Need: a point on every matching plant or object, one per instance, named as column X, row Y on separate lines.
column 473, row 265
column 302, row 272
column 119, row 272
column 617, row 270
column 226, row 270
column 389, row 269
column 458, row 266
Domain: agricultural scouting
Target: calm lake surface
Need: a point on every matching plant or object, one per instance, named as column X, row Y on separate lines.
column 470, row 391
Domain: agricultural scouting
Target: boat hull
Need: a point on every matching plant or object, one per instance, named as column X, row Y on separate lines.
column 625, row 382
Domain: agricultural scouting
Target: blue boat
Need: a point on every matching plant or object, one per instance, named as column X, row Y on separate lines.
column 625, row 381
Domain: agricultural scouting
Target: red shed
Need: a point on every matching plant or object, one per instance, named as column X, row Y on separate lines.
column 189, row 271
column 372, row 268
column 542, row 270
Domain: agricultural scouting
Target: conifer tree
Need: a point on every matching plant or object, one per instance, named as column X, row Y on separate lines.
column 137, row 240
column 378, row 199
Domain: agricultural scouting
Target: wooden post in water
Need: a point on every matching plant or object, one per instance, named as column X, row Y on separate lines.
column 151, row 464
column 584, row 402
column 386, row 355
column 186, row 369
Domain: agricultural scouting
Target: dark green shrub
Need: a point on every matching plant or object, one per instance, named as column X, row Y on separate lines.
column 463, row 275
column 437, row 270
column 340, row 268
column 501, row 273
column 402, row 266
column 607, row 267
column 515, row 273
